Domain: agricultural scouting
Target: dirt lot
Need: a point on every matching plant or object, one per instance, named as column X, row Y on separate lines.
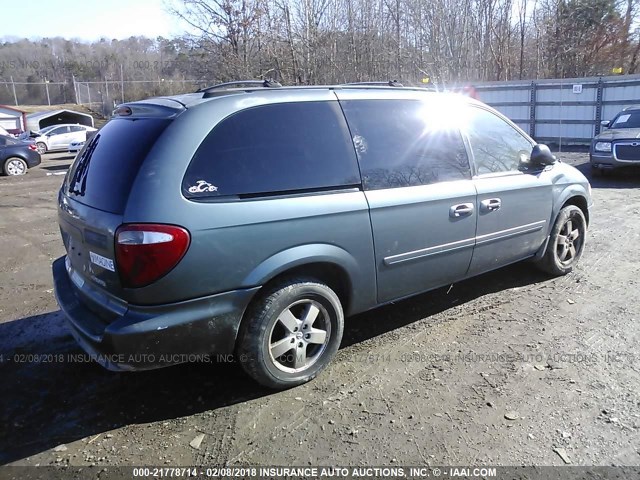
column 428, row 381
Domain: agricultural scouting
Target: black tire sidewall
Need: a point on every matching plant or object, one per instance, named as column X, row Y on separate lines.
column 254, row 342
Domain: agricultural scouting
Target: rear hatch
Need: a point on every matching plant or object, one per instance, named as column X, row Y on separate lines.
column 93, row 198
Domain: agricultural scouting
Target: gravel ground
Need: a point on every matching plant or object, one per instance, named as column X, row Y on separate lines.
column 510, row 368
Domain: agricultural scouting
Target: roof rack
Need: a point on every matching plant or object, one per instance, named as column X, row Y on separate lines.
column 256, row 83
column 390, row 83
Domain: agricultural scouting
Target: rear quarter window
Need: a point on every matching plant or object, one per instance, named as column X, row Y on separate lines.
column 274, row 149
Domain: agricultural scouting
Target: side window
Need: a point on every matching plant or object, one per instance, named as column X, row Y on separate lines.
column 497, row 147
column 59, row 131
column 401, row 143
column 77, row 128
column 274, row 148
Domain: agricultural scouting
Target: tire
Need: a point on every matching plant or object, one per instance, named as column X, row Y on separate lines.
column 273, row 347
column 42, row 148
column 566, row 242
column 14, row 166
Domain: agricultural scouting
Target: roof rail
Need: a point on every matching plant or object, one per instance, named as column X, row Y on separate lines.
column 390, row 83
column 267, row 83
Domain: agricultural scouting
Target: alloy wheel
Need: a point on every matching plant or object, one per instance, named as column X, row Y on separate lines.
column 299, row 336
column 569, row 242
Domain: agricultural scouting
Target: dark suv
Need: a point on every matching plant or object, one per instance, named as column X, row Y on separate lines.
column 619, row 145
column 252, row 220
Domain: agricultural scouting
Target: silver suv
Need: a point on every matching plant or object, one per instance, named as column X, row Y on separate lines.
column 251, row 221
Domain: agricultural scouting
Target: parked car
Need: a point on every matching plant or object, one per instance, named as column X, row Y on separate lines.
column 75, row 147
column 31, row 134
column 59, row 137
column 251, row 221
column 16, row 156
column 619, row 145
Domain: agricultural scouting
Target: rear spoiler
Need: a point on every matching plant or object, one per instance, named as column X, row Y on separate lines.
column 162, row 107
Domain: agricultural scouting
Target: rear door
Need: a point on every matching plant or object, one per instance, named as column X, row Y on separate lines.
column 94, row 195
column 417, row 181
column 514, row 204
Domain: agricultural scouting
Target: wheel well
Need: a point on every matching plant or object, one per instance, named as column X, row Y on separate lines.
column 581, row 203
column 330, row 274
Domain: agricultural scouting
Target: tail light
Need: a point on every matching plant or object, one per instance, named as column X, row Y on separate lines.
column 147, row 252
column 32, row 147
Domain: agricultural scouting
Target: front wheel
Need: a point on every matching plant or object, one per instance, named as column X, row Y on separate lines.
column 291, row 333
column 41, row 148
column 14, row 166
column 566, row 242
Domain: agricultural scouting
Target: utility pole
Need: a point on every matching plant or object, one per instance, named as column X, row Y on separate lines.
column 122, row 83
column 46, row 86
column 75, row 88
column 15, row 97
column 105, row 110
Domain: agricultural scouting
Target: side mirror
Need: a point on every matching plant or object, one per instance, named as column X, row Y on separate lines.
column 542, row 156
column 605, row 123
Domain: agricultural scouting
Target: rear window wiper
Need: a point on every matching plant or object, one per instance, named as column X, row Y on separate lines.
column 79, row 178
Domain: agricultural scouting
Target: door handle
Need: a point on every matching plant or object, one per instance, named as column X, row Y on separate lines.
column 461, row 210
column 491, row 204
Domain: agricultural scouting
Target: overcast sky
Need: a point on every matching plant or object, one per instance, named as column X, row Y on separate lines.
column 88, row 19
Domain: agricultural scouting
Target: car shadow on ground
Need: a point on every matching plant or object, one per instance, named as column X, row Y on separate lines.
column 51, row 398
column 58, row 156
column 54, row 168
column 627, row 178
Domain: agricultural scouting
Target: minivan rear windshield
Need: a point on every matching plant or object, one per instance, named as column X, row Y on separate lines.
column 103, row 172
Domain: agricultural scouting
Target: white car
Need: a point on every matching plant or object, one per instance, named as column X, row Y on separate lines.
column 60, row 137
column 75, row 147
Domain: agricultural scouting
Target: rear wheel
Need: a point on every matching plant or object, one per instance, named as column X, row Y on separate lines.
column 566, row 242
column 14, row 166
column 41, row 147
column 291, row 333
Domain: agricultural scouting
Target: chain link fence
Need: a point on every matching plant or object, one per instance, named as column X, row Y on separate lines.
column 99, row 96
column 35, row 93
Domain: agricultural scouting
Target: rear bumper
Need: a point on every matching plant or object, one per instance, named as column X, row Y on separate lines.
column 33, row 159
column 144, row 338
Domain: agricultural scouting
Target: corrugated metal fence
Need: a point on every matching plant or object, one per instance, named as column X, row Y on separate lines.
column 562, row 112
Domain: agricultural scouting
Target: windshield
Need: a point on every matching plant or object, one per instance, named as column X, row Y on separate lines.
column 46, row 129
column 627, row 120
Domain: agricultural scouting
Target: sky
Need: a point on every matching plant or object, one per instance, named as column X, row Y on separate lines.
column 87, row 19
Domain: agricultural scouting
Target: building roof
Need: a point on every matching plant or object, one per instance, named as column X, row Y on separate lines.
column 52, row 113
column 7, row 107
